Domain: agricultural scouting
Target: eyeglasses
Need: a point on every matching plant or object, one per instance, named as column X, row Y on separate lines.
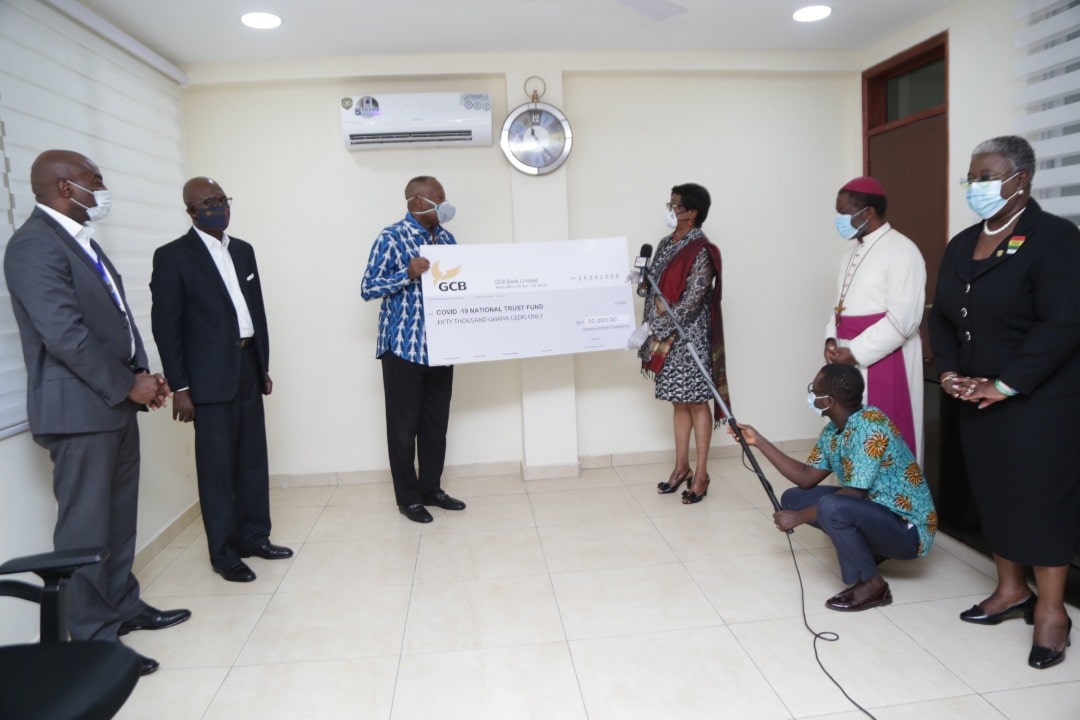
column 966, row 182
column 215, row 202
column 810, row 391
column 677, row 207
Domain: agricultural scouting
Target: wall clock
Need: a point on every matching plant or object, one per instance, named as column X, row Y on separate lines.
column 536, row 137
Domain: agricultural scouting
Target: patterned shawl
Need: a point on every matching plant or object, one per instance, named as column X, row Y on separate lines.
column 672, row 284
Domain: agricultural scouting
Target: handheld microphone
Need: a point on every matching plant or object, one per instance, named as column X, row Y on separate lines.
column 641, row 262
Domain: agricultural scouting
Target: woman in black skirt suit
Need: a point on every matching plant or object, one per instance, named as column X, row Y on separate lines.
column 1005, row 329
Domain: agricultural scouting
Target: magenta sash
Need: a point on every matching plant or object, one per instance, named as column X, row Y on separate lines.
column 887, row 379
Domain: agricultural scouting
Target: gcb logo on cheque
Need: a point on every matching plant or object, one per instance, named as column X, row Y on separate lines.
column 444, row 281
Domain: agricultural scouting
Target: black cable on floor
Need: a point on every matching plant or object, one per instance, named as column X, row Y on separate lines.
column 827, row 635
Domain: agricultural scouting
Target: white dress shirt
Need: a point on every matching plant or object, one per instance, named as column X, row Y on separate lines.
column 219, row 251
column 83, row 234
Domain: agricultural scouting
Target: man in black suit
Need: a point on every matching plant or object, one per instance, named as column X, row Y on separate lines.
column 210, row 327
column 86, row 379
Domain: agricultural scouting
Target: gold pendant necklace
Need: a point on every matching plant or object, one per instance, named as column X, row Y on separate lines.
column 849, row 275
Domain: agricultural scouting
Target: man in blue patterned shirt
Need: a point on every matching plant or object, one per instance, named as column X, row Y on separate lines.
column 417, row 394
column 881, row 509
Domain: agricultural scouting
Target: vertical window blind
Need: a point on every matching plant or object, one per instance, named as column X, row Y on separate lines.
column 1048, row 74
column 63, row 86
column 12, row 373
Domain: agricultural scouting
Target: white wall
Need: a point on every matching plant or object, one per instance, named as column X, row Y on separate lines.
column 313, row 209
column 772, row 148
column 772, row 137
column 982, row 83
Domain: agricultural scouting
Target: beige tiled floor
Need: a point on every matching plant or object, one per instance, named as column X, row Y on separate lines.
column 590, row 598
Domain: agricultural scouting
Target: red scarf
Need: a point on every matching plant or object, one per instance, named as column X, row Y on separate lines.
column 672, row 285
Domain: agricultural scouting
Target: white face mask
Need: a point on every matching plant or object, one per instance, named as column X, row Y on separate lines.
column 102, row 200
column 444, row 211
column 670, row 218
column 811, row 398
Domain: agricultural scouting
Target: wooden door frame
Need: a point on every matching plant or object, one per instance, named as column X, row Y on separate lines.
column 875, row 79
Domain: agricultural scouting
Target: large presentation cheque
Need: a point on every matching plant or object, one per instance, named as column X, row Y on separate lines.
column 519, row 300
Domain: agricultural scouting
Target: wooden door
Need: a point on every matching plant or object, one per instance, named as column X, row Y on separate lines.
column 911, row 161
column 906, row 147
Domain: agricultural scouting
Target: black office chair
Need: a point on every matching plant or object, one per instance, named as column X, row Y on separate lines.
column 55, row 679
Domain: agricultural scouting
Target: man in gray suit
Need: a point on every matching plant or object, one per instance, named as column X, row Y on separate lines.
column 87, row 378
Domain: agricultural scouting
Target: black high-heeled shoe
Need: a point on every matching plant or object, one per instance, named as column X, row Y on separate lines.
column 1041, row 657
column 1025, row 609
column 690, row 497
column 667, row 488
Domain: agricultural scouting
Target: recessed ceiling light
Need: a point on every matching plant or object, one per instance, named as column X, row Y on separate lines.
column 812, row 13
column 261, row 20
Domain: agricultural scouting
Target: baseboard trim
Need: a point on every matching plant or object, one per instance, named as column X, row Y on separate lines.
column 537, row 472
column 363, row 477
column 970, row 555
column 452, row 472
column 550, row 472
column 165, row 537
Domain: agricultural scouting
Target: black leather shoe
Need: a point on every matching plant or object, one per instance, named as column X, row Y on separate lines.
column 1041, row 657
column 269, row 551
column 441, row 499
column 1024, row 609
column 416, row 512
column 845, row 601
column 237, row 572
column 153, row 619
column 147, row 665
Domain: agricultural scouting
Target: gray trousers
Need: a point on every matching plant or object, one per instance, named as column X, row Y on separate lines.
column 96, row 483
column 859, row 529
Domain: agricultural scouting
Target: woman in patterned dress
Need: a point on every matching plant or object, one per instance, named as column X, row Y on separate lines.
column 686, row 270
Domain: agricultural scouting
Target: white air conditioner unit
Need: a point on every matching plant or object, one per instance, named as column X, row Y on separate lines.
column 416, row 120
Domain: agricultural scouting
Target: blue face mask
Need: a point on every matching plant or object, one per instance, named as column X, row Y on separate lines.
column 984, row 197
column 844, row 226
column 215, row 218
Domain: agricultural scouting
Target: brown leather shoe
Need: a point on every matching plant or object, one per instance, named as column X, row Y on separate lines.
column 845, row 601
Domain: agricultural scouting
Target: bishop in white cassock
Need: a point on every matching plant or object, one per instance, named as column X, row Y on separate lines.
column 881, row 293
